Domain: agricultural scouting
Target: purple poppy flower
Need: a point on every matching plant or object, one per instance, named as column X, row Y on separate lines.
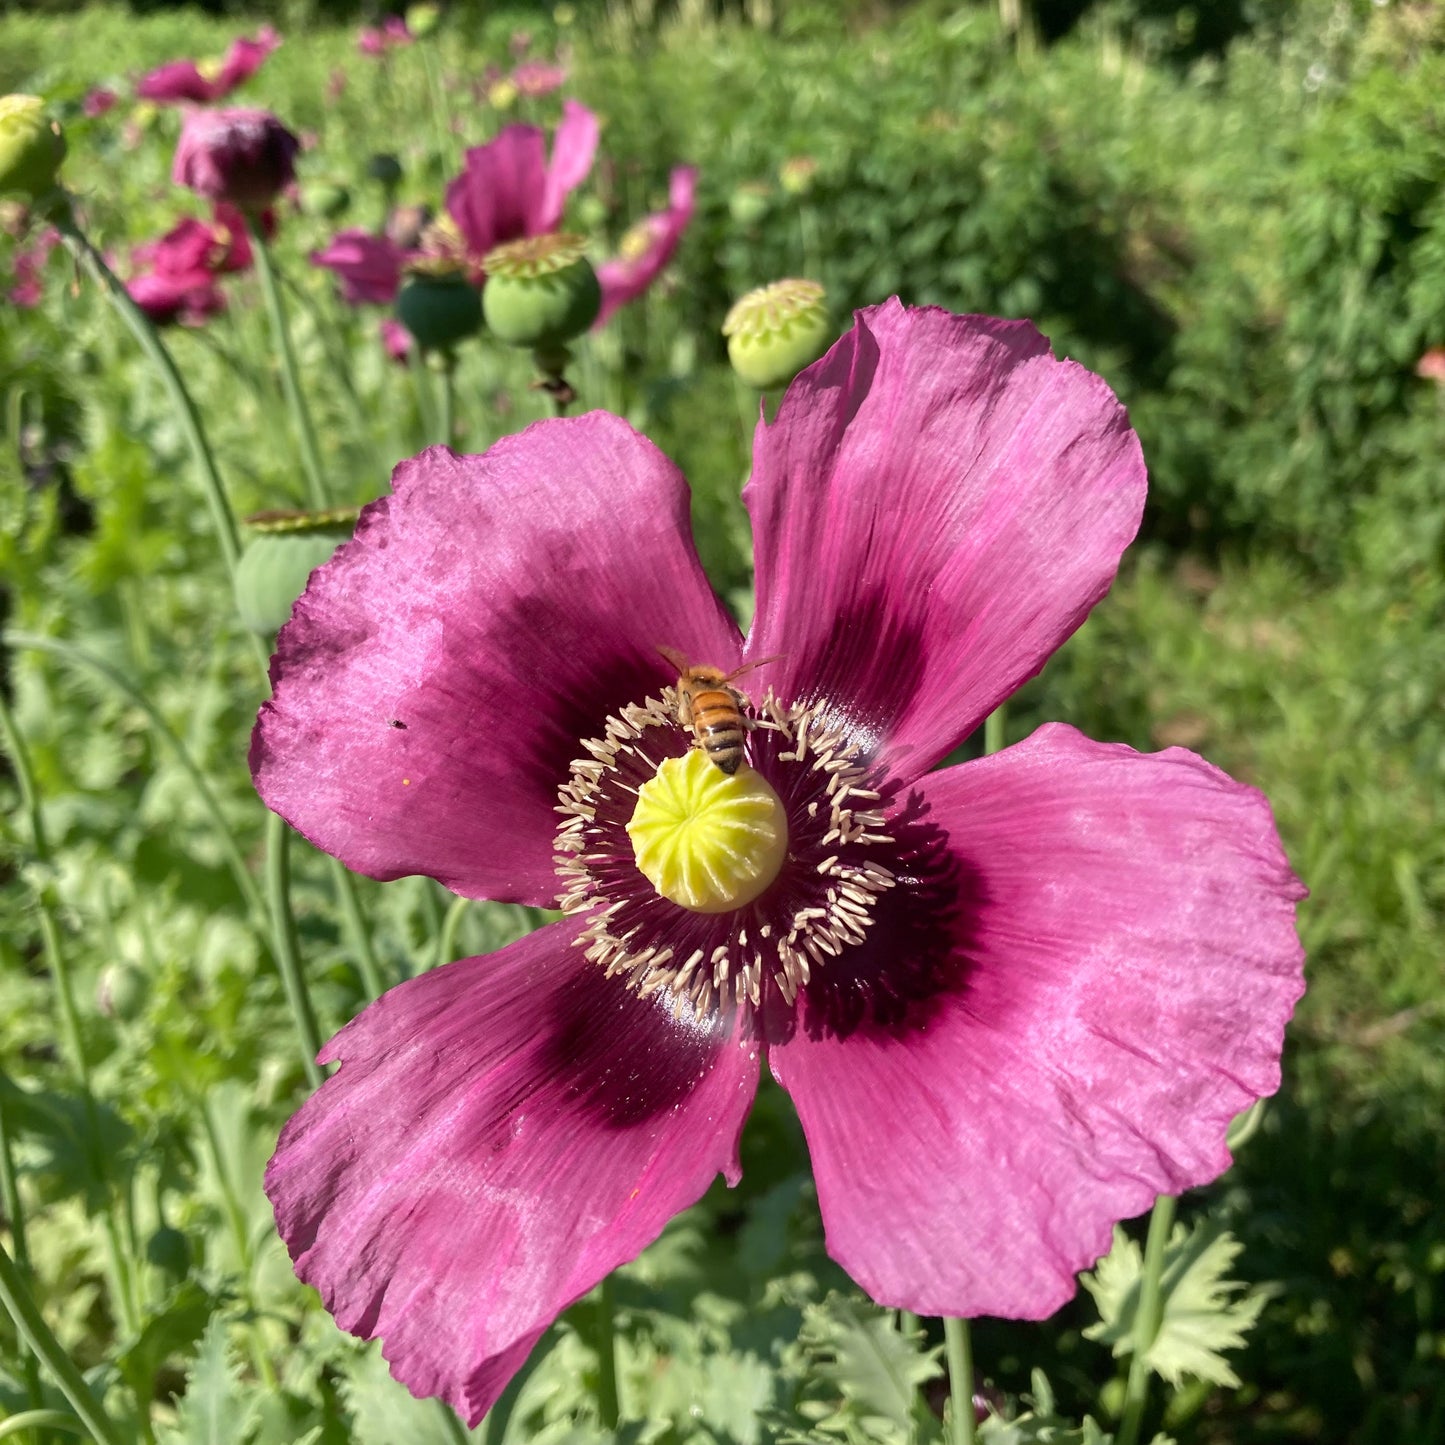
column 189, row 297
column 648, row 246
column 219, row 246
column 97, row 102
column 184, row 81
column 244, row 157
column 391, row 33
column 535, row 78
column 369, row 266
column 509, row 189
column 397, row 341
column 1013, row 1000
column 30, row 268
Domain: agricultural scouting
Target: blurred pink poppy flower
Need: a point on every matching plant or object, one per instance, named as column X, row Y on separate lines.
column 397, row 341
column 185, row 80
column 1013, row 1000
column 244, row 157
column 534, row 78
column 189, row 297
column 97, row 102
column 377, row 40
column 1431, row 365
column 30, row 262
column 218, row 246
column 368, row 266
column 648, row 246
column 510, row 189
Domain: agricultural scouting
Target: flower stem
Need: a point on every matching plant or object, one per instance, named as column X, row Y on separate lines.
column 447, row 938
column 608, row 1406
column 15, row 1215
column 1147, row 1320
column 993, row 729
column 141, row 327
column 290, row 373
column 21, row 1305
column 283, row 932
column 959, row 1347
column 40, row 1420
column 449, row 397
column 366, row 960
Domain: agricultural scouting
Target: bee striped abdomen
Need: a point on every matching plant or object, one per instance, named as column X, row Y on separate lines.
column 718, row 726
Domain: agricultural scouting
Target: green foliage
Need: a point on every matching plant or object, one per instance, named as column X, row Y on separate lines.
column 1204, row 1312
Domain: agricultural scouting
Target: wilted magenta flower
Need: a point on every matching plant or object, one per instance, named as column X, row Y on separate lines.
column 378, row 40
column 184, row 80
column 535, row 78
column 1013, row 1000
column 244, row 157
column 30, row 268
column 509, row 189
column 369, row 266
column 97, row 102
column 648, row 246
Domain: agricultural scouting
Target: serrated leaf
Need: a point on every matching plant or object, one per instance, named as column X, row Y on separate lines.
column 384, row 1412
column 1203, row 1311
column 214, row 1409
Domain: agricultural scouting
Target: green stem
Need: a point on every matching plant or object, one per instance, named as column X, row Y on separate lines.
column 15, row 1214
column 356, row 925
column 608, row 1407
column 141, row 327
column 449, row 398
column 1147, row 1320
column 18, row 1300
column 447, row 938
column 290, row 373
column 993, row 729
column 283, row 931
column 456, row 1431
column 959, row 1347
column 78, row 657
column 426, row 403
column 40, row 1420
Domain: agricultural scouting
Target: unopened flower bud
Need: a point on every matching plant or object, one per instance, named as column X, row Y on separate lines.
column 540, row 292
column 122, row 991
column 750, row 202
column 439, row 309
column 279, row 560
column 422, row 19
column 246, row 157
column 796, row 175
column 169, row 1251
column 328, row 199
column 385, row 169
column 31, row 146
column 777, row 330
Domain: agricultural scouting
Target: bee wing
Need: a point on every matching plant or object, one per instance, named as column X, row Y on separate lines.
column 749, row 666
column 676, row 659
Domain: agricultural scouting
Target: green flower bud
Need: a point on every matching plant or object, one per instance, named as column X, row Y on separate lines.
column 384, row 168
column 777, row 330
column 751, row 202
column 327, row 199
column 540, row 292
column 123, row 991
column 797, row 173
column 422, row 19
column 440, row 310
column 169, row 1250
column 31, row 147
column 279, row 560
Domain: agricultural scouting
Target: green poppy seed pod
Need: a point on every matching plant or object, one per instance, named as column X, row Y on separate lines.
column 31, row 147
column 750, row 203
column 439, row 309
column 777, row 330
column 384, row 168
column 122, row 991
column 540, row 292
column 279, row 560
column 170, row 1251
column 422, row 19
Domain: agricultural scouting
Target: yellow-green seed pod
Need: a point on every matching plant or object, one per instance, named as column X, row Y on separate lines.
column 31, row 147
column 777, row 330
column 422, row 19
column 279, row 560
column 540, row 292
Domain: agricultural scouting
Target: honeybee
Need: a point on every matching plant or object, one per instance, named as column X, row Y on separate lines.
column 712, row 709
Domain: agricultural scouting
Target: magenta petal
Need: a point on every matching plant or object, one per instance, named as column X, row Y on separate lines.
column 1128, row 961
column 175, row 81
column 245, row 58
column 501, row 190
column 502, row 1134
column 937, row 506
column 626, row 277
column 573, row 149
column 437, row 675
column 369, row 267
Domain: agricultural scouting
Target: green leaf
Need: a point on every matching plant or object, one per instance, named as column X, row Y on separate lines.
column 214, row 1409
column 171, row 1330
column 384, row 1412
column 1204, row 1312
